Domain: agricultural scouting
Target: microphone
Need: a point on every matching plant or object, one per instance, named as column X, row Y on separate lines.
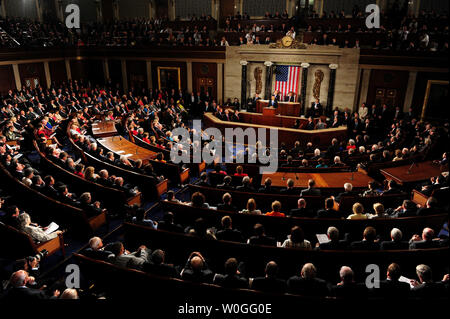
column 284, row 176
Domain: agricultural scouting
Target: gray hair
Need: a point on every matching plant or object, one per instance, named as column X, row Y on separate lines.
column 346, row 274
column 348, row 187
column 95, row 242
column 333, row 232
column 424, row 272
column 308, row 271
column 396, row 234
column 24, row 219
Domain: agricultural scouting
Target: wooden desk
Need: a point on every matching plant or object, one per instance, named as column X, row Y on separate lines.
column 284, row 108
column 283, row 124
column 104, row 129
column 418, row 172
column 323, row 180
column 122, row 146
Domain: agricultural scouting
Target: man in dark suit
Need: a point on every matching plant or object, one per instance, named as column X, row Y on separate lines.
column 369, row 240
column 426, row 288
column 316, row 108
column 267, row 188
column 328, row 211
column 430, row 209
column 196, row 269
column 260, row 237
column 273, row 102
column 392, row 288
column 311, row 190
column 301, row 210
column 253, row 102
column 226, row 203
column 232, row 278
column 270, row 283
column 396, row 242
column 347, row 192
column 19, row 290
column 310, row 125
column 157, row 265
column 96, row 250
column 168, row 224
column 227, row 183
column 290, row 97
column 228, row 233
column 307, row 284
column 393, row 188
column 334, row 243
column 204, row 180
column 424, row 242
column 289, row 190
column 347, row 288
column 246, row 186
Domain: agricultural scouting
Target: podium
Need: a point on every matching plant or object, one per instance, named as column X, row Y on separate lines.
column 269, row 111
column 284, row 108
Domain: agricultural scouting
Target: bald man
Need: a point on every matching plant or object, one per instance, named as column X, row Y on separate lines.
column 347, row 288
column 196, row 269
column 307, row 283
column 426, row 241
column 19, row 289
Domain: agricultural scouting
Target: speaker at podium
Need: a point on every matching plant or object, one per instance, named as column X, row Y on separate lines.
column 269, row 111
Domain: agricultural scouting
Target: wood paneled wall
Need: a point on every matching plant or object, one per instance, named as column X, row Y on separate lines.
column 388, row 80
column 32, row 70
column 58, row 72
column 204, row 70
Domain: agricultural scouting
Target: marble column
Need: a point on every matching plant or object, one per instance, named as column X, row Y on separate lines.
column 330, row 97
column 243, row 82
column 219, row 83
column 17, row 76
column 106, row 70
column 364, row 86
column 148, row 65
column 305, row 67
column 123, row 64
column 189, row 76
column 68, row 70
column 268, row 85
column 410, row 90
column 2, row 8
column 48, row 78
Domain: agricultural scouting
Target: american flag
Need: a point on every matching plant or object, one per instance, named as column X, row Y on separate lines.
column 286, row 79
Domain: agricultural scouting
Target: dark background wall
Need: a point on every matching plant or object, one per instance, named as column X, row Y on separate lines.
column 137, row 74
column 32, row 70
column 387, row 81
column 6, row 79
column 420, row 88
column 58, row 71
column 87, row 70
column 202, row 71
column 115, row 72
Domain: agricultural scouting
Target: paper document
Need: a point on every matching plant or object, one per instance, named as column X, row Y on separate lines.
column 77, row 161
column 407, row 280
column 128, row 155
column 17, row 156
column 51, row 228
column 322, row 238
column 120, row 152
